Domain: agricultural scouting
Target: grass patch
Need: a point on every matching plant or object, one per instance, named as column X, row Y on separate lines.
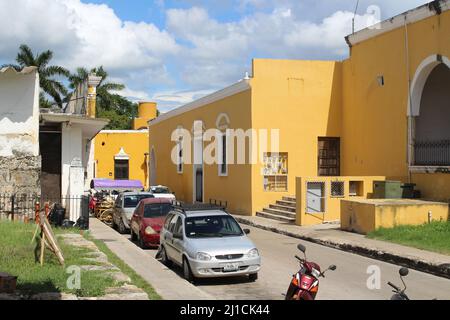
column 18, row 256
column 135, row 278
column 432, row 237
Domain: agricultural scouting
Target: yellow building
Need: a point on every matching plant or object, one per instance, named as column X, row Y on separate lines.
column 124, row 154
column 381, row 114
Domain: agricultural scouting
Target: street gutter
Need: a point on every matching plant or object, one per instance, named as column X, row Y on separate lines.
column 393, row 253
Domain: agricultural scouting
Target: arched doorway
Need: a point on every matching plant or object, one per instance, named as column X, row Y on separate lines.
column 198, row 130
column 430, row 108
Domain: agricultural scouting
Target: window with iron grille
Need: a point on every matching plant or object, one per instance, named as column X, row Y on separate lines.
column 337, row 189
column 121, row 170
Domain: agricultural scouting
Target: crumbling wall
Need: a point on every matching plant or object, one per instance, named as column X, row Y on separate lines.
column 20, row 175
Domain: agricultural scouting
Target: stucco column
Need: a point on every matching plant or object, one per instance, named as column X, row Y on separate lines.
column 93, row 83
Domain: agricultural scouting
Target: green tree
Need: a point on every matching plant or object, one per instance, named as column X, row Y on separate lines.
column 50, row 85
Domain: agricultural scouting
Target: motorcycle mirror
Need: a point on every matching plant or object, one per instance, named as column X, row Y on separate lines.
column 302, row 248
column 333, row 268
column 404, row 272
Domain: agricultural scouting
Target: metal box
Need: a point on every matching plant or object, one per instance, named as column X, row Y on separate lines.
column 387, row 190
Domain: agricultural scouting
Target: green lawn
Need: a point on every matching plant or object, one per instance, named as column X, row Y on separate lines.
column 432, row 237
column 18, row 257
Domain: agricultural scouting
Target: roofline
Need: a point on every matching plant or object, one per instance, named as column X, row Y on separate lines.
column 26, row 70
column 62, row 117
column 420, row 13
column 232, row 90
column 123, row 131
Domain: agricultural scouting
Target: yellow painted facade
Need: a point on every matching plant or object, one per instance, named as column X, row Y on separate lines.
column 134, row 143
column 363, row 101
column 364, row 216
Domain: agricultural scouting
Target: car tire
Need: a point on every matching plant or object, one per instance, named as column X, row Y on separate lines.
column 133, row 236
column 164, row 258
column 187, row 272
column 121, row 228
column 253, row 277
column 142, row 243
column 114, row 225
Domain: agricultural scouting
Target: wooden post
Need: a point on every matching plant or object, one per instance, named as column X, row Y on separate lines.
column 42, row 247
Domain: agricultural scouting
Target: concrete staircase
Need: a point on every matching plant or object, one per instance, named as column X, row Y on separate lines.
column 284, row 210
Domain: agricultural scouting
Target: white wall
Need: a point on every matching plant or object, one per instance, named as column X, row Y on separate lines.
column 19, row 114
column 72, row 149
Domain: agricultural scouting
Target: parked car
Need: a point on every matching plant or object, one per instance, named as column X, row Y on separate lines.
column 148, row 220
column 207, row 242
column 124, row 208
column 162, row 192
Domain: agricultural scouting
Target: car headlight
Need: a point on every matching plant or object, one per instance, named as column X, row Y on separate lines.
column 201, row 256
column 149, row 231
column 254, row 253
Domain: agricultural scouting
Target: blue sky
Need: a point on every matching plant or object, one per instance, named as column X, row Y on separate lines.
column 175, row 51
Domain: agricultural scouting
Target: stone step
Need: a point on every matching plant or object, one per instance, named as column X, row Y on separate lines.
column 291, row 204
column 283, row 213
column 290, row 198
column 283, row 208
column 275, row 217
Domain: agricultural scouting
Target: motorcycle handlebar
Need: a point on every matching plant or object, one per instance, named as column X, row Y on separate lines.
column 394, row 286
column 298, row 258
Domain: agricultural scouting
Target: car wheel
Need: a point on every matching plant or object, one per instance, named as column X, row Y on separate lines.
column 187, row 273
column 133, row 236
column 253, row 277
column 114, row 225
column 142, row 243
column 164, row 258
column 121, row 228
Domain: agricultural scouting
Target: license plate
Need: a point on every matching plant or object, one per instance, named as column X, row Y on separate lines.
column 231, row 267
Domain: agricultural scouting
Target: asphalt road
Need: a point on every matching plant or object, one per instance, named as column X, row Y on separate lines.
column 348, row 282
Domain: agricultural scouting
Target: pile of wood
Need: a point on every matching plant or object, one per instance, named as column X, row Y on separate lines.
column 104, row 210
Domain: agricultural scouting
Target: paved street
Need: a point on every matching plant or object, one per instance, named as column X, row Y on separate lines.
column 347, row 283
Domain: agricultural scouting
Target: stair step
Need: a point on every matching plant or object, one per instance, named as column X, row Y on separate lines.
column 283, row 208
column 291, row 204
column 283, row 213
column 275, row 217
column 290, row 198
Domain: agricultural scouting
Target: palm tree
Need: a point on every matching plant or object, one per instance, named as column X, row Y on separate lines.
column 105, row 99
column 49, row 85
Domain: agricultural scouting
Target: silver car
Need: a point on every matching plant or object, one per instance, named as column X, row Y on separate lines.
column 208, row 243
column 124, row 208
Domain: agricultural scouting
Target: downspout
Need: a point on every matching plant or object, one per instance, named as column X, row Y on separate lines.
column 410, row 115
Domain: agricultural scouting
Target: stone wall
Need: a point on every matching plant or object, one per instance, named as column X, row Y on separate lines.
column 20, row 175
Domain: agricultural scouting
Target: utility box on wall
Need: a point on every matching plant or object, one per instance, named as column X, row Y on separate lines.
column 387, row 190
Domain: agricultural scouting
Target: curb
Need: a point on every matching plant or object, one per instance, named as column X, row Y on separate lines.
column 442, row 271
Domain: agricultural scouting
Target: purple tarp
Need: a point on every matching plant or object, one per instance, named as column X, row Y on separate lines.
column 104, row 184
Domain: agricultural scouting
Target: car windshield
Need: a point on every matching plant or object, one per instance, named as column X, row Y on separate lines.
column 132, row 201
column 157, row 210
column 161, row 190
column 212, row 227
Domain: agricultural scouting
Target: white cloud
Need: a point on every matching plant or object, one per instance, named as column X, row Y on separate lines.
column 195, row 51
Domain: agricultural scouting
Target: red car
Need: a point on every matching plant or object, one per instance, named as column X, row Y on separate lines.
column 148, row 220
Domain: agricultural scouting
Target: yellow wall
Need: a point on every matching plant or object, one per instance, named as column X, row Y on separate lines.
column 135, row 144
column 303, row 100
column 374, row 127
column 236, row 188
column 333, row 204
column 147, row 111
column 365, row 216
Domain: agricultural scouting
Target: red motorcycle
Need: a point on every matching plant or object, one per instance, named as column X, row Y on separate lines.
column 305, row 284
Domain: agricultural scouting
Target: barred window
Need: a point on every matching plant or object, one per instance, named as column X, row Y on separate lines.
column 337, row 189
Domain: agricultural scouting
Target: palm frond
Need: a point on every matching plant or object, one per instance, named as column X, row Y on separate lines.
column 25, row 57
column 44, row 59
column 112, row 86
column 55, row 71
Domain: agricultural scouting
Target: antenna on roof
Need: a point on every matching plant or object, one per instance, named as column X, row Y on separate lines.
column 354, row 17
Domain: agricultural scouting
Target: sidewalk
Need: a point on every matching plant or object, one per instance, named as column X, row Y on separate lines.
column 166, row 283
column 331, row 236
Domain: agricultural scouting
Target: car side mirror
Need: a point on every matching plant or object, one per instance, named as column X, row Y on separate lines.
column 247, row 231
column 178, row 236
